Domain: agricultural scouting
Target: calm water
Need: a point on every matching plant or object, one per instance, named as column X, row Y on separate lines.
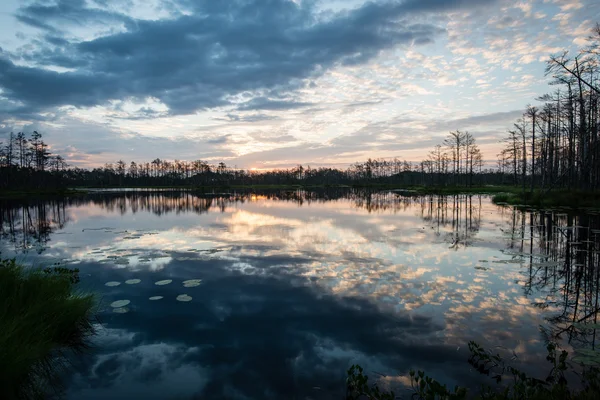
column 295, row 287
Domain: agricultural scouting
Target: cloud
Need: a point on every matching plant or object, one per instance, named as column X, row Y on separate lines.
column 311, row 81
column 92, row 144
column 147, row 370
column 198, row 60
column 263, row 103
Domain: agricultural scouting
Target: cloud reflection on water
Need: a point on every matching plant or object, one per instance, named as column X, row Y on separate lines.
column 293, row 292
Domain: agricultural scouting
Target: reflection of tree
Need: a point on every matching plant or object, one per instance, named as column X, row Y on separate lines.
column 461, row 213
column 379, row 201
column 563, row 266
column 159, row 203
column 29, row 226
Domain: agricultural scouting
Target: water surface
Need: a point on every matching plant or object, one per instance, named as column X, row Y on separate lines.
column 275, row 295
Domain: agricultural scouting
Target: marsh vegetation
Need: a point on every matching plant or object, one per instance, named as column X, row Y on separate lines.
column 44, row 323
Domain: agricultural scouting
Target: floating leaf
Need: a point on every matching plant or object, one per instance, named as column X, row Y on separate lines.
column 184, row 297
column 112, row 284
column 133, row 281
column 119, row 303
column 153, row 298
column 121, row 310
column 165, row 282
column 192, row 283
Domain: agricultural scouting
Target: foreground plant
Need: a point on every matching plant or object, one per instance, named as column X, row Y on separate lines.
column 43, row 322
column 511, row 383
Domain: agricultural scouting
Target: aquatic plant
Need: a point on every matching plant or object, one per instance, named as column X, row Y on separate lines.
column 184, row 298
column 511, row 383
column 192, row 283
column 43, row 321
column 119, row 303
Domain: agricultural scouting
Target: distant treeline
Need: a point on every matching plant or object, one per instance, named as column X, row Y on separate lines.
column 555, row 145
column 26, row 163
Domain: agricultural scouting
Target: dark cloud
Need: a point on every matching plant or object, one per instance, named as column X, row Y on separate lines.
column 142, row 113
column 197, row 61
column 219, row 140
column 263, row 103
column 247, row 118
column 51, row 17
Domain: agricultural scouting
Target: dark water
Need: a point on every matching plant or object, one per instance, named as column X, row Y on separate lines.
column 296, row 287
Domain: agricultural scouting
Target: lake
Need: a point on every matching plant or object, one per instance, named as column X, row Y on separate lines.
column 274, row 295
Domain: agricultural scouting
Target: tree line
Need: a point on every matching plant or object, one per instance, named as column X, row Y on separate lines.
column 553, row 145
column 27, row 163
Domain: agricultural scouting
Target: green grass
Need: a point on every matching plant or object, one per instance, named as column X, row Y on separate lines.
column 43, row 320
column 538, row 199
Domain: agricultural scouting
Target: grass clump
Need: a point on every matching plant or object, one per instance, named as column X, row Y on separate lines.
column 574, row 199
column 510, row 383
column 43, row 321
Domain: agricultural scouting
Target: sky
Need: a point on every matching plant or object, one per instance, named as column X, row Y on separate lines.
column 275, row 83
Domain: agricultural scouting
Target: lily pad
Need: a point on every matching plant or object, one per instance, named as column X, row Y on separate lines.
column 112, row 284
column 184, row 297
column 119, row 303
column 192, row 283
column 121, row 310
column 133, row 281
column 165, row 282
column 154, row 298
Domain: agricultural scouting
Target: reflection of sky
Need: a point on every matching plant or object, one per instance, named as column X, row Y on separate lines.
column 291, row 296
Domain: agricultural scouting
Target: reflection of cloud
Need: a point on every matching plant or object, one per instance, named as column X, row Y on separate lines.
column 146, row 371
column 321, row 284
